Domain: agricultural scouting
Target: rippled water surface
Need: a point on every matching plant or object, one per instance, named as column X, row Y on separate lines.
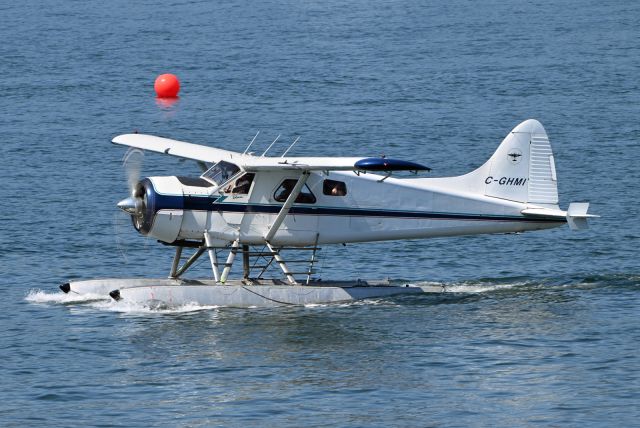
column 535, row 329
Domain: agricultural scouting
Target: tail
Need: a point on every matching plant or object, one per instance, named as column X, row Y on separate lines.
column 522, row 169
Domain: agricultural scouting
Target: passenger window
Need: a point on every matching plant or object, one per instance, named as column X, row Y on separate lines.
column 334, row 188
column 283, row 192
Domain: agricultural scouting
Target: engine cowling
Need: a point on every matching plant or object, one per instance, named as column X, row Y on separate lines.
column 157, row 206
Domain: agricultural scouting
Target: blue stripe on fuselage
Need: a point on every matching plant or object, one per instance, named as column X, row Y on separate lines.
column 368, row 212
column 206, row 203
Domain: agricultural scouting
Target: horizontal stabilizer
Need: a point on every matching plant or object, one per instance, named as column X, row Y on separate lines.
column 577, row 215
column 545, row 213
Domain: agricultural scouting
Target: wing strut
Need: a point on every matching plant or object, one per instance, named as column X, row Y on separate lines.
column 287, row 206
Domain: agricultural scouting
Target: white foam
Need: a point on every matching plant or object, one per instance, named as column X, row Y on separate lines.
column 469, row 287
column 135, row 308
column 106, row 303
column 39, row 296
column 362, row 302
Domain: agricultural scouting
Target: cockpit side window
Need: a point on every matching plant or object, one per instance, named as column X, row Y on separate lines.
column 334, row 188
column 242, row 185
column 220, row 173
column 284, row 190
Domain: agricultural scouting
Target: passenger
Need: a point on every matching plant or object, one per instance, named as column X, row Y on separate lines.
column 337, row 190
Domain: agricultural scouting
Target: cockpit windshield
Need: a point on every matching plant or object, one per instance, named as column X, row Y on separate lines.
column 220, row 173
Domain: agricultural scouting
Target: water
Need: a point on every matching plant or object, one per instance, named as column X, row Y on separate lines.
column 541, row 329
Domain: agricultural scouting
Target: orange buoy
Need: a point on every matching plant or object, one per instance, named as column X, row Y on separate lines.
column 167, row 86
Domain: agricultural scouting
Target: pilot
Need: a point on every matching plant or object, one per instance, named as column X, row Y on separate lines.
column 242, row 185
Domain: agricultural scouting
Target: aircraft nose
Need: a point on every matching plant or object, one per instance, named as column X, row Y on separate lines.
column 128, row 205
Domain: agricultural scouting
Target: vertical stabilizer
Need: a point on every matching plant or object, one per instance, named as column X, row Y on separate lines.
column 522, row 169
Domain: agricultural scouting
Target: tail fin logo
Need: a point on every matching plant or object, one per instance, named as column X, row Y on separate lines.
column 515, row 156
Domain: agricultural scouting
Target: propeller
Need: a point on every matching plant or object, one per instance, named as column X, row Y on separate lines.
column 136, row 202
column 133, row 206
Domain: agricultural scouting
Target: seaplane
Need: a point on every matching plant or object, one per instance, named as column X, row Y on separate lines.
column 265, row 207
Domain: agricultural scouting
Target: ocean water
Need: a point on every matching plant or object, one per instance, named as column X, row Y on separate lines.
column 539, row 329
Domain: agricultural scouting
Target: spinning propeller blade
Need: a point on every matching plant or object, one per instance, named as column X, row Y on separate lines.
column 134, row 205
column 132, row 164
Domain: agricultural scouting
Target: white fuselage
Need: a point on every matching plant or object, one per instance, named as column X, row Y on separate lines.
column 371, row 210
column 244, row 198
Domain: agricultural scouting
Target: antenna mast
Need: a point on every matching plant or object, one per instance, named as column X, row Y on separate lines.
column 274, row 141
column 254, row 139
column 289, row 148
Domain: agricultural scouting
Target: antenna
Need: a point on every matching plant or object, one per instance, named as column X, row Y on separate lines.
column 265, row 152
column 254, row 139
column 289, row 148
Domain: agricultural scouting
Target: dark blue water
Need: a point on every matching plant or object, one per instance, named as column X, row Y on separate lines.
column 541, row 329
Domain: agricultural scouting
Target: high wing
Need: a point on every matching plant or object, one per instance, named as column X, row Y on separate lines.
column 176, row 148
column 258, row 163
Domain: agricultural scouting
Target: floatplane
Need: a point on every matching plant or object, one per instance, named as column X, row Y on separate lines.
column 262, row 206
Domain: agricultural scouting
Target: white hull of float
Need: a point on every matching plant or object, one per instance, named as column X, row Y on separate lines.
column 264, row 293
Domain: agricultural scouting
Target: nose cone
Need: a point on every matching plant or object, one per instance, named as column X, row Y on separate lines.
column 128, row 205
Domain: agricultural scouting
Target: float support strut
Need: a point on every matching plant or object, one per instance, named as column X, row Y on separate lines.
column 189, row 262
column 245, row 262
column 313, row 259
column 282, row 264
column 213, row 257
column 176, row 262
column 229, row 263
